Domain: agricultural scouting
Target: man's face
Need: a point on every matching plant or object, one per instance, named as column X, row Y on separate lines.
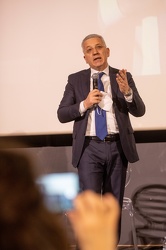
column 96, row 53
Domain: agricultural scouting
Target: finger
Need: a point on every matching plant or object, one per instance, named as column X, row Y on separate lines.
column 122, row 73
column 88, row 200
column 119, row 78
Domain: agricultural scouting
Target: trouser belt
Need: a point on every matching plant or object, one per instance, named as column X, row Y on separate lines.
column 110, row 138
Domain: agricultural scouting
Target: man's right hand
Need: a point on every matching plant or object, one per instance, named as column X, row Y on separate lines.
column 94, row 97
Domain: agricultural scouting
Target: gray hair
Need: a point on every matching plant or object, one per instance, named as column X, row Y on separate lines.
column 92, row 36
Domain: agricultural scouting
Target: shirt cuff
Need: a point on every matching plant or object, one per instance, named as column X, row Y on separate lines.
column 130, row 97
column 82, row 109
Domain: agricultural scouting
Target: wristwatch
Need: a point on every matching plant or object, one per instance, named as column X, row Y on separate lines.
column 129, row 93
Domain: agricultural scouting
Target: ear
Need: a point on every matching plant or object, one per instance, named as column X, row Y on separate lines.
column 108, row 52
column 85, row 59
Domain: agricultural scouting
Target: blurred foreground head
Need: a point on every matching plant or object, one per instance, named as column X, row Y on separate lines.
column 25, row 223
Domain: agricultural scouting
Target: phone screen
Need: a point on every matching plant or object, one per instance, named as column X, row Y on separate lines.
column 59, row 190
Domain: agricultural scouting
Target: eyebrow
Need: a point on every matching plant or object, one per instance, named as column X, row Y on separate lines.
column 89, row 46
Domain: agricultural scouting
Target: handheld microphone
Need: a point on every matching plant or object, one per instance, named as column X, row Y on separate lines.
column 95, row 84
column 95, row 80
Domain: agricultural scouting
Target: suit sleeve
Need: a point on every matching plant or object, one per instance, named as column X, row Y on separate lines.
column 69, row 108
column 137, row 106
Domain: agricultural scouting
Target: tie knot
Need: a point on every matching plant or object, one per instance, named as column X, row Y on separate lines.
column 101, row 74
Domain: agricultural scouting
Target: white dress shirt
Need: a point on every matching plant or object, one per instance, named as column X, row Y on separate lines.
column 106, row 104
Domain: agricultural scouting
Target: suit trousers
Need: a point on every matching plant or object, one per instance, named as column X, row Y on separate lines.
column 102, row 168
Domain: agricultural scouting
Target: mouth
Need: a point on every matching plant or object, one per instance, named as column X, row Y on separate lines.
column 97, row 58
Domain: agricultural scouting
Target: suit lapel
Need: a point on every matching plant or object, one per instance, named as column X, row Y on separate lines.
column 114, row 85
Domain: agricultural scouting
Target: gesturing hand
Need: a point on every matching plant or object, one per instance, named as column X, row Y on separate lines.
column 122, row 81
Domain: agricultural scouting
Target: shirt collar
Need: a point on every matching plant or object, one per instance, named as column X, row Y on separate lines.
column 106, row 71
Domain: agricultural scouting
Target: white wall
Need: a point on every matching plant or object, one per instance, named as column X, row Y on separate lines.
column 40, row 46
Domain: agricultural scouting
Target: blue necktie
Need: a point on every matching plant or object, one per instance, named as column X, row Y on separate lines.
column 100, row 115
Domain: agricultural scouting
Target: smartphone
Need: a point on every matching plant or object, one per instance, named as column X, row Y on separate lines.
column 59, row 190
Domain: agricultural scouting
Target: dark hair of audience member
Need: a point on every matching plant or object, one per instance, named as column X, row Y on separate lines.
column 25, row 223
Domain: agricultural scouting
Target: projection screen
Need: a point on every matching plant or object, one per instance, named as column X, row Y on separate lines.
column 40, row 46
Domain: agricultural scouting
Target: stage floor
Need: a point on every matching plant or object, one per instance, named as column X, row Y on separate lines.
column 131, row 247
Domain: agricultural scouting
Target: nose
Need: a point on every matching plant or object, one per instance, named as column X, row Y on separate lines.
column 95, row 51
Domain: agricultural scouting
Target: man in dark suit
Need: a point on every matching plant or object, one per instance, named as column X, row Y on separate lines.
column 101, row 163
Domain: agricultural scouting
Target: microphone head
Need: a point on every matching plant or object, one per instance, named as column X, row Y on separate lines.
column 95, row 76
column 95, row 80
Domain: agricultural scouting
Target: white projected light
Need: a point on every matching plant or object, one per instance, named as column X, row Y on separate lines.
column 40, row 46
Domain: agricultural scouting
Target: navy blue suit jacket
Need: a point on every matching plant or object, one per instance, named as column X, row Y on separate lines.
column 77, row 89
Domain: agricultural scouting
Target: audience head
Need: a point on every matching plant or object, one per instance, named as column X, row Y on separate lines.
column 25, row 222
